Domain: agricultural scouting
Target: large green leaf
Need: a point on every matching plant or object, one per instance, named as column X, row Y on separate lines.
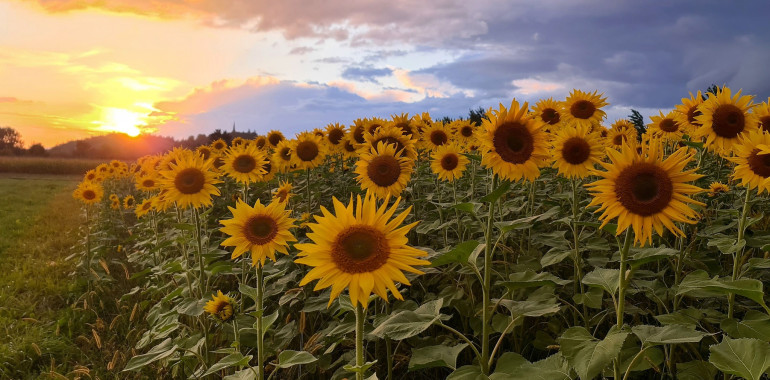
column 514, row 367
column 754, row 325
column 745, row 357
column 588, row 355
column 406, row 323
column 529, row 279
column 233, row 360
column 458, row 254
column 671, row 334
column 290, row 358
column 161, row 351
column 497, row 193
column 698, row 284
column 538, row 304
column 695, row 370
column 641, row 256
column 435, row 356
column 467, row 372
column 606, row 279
column 527, row 222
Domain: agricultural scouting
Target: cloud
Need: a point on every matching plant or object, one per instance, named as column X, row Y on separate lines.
column 300, row 50
column 365, row 73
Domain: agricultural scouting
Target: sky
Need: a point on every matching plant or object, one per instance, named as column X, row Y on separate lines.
column 70, row 69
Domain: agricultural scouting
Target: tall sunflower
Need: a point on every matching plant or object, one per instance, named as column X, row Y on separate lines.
column 335, row 133
column 189, row 182
column 752, row 159
column 360, row 248
column 274, row 138
column 309, row 151
column 617, row 137
column 686, row 112
column 89, row 192
column 205, row 151
column 404, row 144
column 349, row 146
column 383, row 171
column 269, row 170
column 724, row 118
column 762, row 111
column 666, row 127
column 645, row 191
column 576, row 151
column 372, row 125
column 283, row 192
column 405, row 124
column 357, row 130
column 261, row 230
column 513, row 143
column 261, row 142
column 435, row 135
column 447, row 162
column 464, row 132
column 283, row 156
column 143, row 208
column 219, row 145
column 583, row 108
column 548, row 111
column 244, row 163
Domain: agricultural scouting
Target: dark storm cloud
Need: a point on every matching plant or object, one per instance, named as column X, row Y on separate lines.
column 365, row 73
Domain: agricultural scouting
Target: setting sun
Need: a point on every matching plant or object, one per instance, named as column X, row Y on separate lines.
column 121, row 120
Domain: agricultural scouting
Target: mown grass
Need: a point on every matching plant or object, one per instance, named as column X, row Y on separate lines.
column 39, row 219
column 47, row 165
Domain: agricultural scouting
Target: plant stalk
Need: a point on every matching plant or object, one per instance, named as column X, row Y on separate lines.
column 360, row 316
column 260, row 327
column 738, row 256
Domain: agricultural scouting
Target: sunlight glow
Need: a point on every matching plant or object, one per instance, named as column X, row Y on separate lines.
column 121, row 120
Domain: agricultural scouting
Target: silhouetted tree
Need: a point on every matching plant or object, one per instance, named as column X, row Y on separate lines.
column 477, row 115
column 37, row 150
column 218, row 134
column 10, row 141
column 714, row 89
column 638, row 120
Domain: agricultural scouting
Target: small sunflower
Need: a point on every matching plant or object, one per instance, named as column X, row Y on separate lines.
column 283, row 156
column 143, row 208
column 114, row 197
column 335, row 133
column 205, row 151
column 89, row 192
column 357, row 131
column 261, row 230
column 244, row 163
column 513, row 143
column 349, row 148
column 269, row 170
column 360, row 248
column 752, row 160
column 309, row 151
column 189, row 182
column 115, row 204
column 687, row 112
column 129, row 202
column 147, row 182
column 274, row 138
column 666, row 127
column 548, row 111
column 617, row 137
column 762, row 112
column 91, row 176
column 372, row 125
column 283, row 193
column 448, row 162
column 464, row 131
column 583, row 108
column 405, row 124
column 220, row 306
column 717, row 188
column 645, row 191
column 383, row 171
column 260, row 142
column 238, row 141
column 219, row 145
column 576, row 151
column 724, row 118
column 435, row 135
column 404, row 144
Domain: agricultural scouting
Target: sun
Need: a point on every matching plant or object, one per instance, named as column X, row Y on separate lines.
column 122, row 120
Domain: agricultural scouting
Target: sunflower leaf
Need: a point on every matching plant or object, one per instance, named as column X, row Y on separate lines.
column 290, row 358
column 406, row 323
column 588, row 355
column 435, row 356
column 459, row 254
column 497, row 193
column 745, row 357
column 606, row 279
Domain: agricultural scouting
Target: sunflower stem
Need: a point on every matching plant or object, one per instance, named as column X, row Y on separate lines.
column 88, row 248
column 307, row 190
column 360, row 316
column 486, row 312
column 260, row 327
column 622, row 280
column 738, row 256
column 577, row 257
column 202, row 279
column 389, row 348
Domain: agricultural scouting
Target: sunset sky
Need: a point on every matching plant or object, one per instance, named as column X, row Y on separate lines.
column 70, row 69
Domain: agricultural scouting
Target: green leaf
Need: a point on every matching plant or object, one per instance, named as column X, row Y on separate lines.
column 508, row 363
column 554, row 256
column 470, row 207
column 727, row 246
column 527, row 222
column 406, row 323
column 529, row 278
column 554, row 367
column 497, row 193
column 754, row 325
column 588, row 355
column 698, row 284
column 467, row 372
column 248, row 291
column 244, row 374
column 592, row 298
column 163, row 350
column 232, row 360
column 695, row 370
column 745, row 357
column 458, row 254
column 689, row 317
column 672, row 334
column 191, row 307
column 267, row 322
column 606, row 279
column 435, row 356
column 641, row 256
column 536, row 305
column 290, row 358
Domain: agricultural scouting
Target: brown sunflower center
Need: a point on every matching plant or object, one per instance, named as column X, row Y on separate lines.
column 384, row 170
column 91, row 176
column 219, row 145
column 274, row 139
column 764, row 123
column 349, row 147
column 146, row 206
column 282, row 195
column 130, row 202
column 391, row 141
column 189, row 181
column 148, row 183
column 513, row 142
column 668, row 125
column 692, row 113
column 406, row 129
column 550, row 116
column 89, row 195
column 307, row 150
column 358, row 134
column 267, row 167
column 205, row 153
column 261, row 142
column 260, row 229
column 438, row 138
column 335, row 135
column 449, row 161
column 244, row 163
column 576, row 150
column 728, row 121
column 644, row 189
column 360, row 249
column 286, row 154
column 759, row 163
column 374, row 127
column 582, row 109
column 466, row 131
column 619, row 139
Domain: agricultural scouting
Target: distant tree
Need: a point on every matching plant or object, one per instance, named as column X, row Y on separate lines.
column 37, row 150
column 10, row 141
column 446, row 120
column 477, row 115
column 638, row 120
column 218, row 134
column 713, row 89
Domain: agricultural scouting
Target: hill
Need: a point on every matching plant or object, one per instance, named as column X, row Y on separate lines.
column 114, row 146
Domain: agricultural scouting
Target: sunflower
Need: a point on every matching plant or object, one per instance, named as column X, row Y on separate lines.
column 404, row 144
column 617, row 137
column 244, row 163
column 548, row 111
column 274, row 138
column 219, row 145
column 646, row 192
column 513, row 143
column 717, row 188
column 447, row 162
column 372, row 125
column 576, row 150
column 622, row 124
column 189, row 182
column 724, row 118
column 360, row 248
column 407, row 125
column 129, row 202
column 583, row 108
column 173, row 157
column 89, row 192
column 91, row 176
column 220, row 307
column 383, row 171
column 114, row 197
column 269, row 168
column 143, row 208
column 464, row 131
column 146, row 182
column 752, row 160
column 261, row 229
column 309, row 151
column 335, row 133
column 357, row 130
column 666, row 127
column 205, row 151
column 762, row 112
column 283, row 193
column 686, row 112
column 349, row 146
column 237, row 141
column 115, row 204
column 260, row 142
column 282, row 157
column 435, row 135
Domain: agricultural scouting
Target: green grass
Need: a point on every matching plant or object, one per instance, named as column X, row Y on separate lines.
column 39, row 219
column 47, row 165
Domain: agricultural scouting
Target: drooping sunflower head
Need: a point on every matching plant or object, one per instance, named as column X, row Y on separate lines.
column 218, row 145
column 238, row 141
column 724, row 118
column 283, row 193
column 349, row 149
column 309, row 151
column 666, row 127
column 261, row 230
column 274, row 138
column 283, row 157
column 646, row 192
column 448, row 162
column 129, row 202
column 143, row 208
column 261, row 142
column 717, row 188
column 220, row 307
column 205, row 151
column 244, row 163
column 687, row 112
column 269, row 169
column 435, row 135
column 383, row 171
column 407, row 125
column 357, row 130
column 389, row 134
column 89, row 192
column 583, row 108
column 617, row 137
column 548, row 112
column 752, row 159
column 189, row 182
column 360, row 248
column 762, row 112
column 576, row 151
column 513, row 143
column 335, row 133
column 372, row 125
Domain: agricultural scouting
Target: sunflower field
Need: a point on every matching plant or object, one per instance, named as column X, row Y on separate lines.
column 539, row 244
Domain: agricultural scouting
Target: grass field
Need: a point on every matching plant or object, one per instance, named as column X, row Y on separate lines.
column 47, row 165
column 39, row 218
